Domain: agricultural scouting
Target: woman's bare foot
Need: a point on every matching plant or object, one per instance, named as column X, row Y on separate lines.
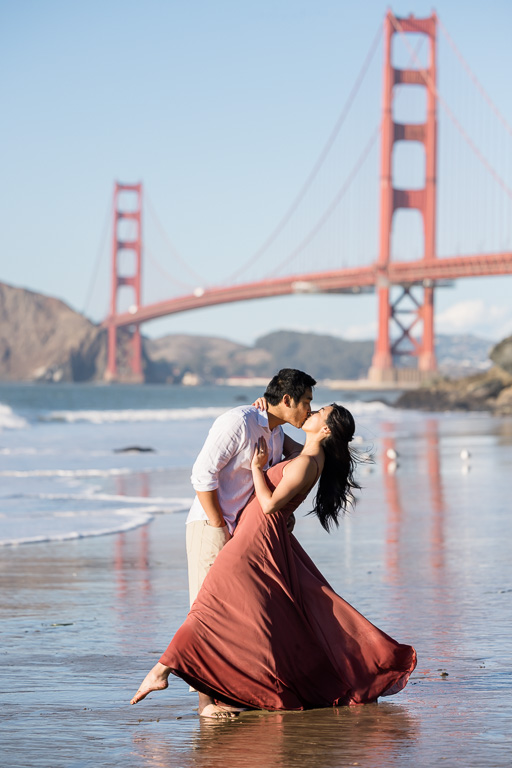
column 155, row 680
column 218, row 712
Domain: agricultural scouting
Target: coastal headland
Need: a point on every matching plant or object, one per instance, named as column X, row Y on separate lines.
column 42, row 339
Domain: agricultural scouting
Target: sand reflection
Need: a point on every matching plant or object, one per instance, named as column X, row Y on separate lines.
column 370, row 735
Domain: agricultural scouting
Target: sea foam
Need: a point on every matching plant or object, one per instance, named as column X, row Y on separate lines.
column 9, row 419
column 133, row 415
column 61, row 533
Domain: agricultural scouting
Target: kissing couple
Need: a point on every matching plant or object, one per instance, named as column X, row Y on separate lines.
column 265, row 629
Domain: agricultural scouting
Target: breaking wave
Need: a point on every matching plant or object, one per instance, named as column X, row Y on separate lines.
column 132, row 415
column 9, row 419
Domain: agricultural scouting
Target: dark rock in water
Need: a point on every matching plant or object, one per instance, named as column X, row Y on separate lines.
column 501, row 354
column 134, row 449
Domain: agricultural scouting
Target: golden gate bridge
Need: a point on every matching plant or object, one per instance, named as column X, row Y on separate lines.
column 405, row 288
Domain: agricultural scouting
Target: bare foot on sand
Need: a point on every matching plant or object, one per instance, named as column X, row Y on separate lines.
column 218, row 712
column 155, row 680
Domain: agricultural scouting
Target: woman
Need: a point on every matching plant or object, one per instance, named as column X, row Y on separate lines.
column 266, row 630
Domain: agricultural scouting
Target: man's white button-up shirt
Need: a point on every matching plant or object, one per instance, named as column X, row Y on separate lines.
column 224, row 462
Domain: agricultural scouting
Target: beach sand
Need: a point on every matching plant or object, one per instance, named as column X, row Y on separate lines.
column 83, row 621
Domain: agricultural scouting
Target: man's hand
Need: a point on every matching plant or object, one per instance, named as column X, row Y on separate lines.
column 290, row 523
column 210, row 503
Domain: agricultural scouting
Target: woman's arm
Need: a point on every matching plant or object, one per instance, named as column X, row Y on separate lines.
column 299, row 478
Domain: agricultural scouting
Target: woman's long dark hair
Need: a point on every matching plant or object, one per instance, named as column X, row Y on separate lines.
column 337, row 479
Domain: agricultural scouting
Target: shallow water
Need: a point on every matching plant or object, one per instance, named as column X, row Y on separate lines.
column 64, row 468
column 425, row 556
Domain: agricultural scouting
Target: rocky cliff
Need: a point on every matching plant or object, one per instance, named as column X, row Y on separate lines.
column 41, row 338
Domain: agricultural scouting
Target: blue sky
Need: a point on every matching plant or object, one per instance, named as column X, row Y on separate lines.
column 221, row 110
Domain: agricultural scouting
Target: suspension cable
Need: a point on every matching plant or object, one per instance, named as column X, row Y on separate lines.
column 318, row 164
column 163, row 271
column 430, row 85
column 99, row 255
column 474, row 78
column 199, row 281
column 340, row 194
column 334, row 202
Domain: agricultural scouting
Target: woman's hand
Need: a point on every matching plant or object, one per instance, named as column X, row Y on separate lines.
column 261, row 404
column 260, row 457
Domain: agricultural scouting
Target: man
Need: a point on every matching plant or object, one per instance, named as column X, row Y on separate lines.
column 222, row 476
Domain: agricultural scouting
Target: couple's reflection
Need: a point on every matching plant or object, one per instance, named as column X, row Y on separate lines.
column 369, row 735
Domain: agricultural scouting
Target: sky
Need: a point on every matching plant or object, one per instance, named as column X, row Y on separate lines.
column 221, row 109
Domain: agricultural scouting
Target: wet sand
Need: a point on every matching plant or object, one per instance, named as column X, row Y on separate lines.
column 426, row 556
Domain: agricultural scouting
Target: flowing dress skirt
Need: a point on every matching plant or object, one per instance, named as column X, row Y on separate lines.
column 268, row 631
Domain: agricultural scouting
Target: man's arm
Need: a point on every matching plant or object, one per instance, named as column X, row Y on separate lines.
column 224, row 440
column 209, row 501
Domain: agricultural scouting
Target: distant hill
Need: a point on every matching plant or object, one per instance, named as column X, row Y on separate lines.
column 173, row 356
column 328, row 357
column 462, row 354
column 212, row 358
column 43, row 339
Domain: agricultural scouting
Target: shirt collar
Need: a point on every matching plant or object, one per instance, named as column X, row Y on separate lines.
column 263, row 419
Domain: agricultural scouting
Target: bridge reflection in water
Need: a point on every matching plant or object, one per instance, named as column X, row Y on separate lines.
column 419, row 558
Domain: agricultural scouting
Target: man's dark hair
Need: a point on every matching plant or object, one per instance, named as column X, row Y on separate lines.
column 289, row 381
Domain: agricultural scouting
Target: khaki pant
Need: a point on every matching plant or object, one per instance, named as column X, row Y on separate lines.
column 204, row 542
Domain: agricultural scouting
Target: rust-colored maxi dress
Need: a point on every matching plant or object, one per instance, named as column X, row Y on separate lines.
column 266, row 629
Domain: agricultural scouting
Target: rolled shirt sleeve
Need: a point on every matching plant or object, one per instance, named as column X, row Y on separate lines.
column 225, row 439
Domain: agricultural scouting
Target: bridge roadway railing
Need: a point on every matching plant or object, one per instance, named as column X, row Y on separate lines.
column 355, row 280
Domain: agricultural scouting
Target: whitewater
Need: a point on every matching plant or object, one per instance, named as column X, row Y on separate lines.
column 79, row 461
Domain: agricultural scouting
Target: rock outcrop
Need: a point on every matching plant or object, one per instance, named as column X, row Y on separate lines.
column 489, row 391
column 41, row 338
column 501, row 354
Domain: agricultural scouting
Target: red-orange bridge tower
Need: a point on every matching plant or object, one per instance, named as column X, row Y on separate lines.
column 411, row 313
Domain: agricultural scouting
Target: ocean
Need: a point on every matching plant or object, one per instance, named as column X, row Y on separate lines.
column 84, row 460
column 94, row 583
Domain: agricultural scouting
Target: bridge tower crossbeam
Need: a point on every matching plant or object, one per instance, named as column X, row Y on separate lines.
column 393, row 199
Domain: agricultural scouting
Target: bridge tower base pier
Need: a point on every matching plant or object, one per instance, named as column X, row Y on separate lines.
column 126, row 271
column 407, row 342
